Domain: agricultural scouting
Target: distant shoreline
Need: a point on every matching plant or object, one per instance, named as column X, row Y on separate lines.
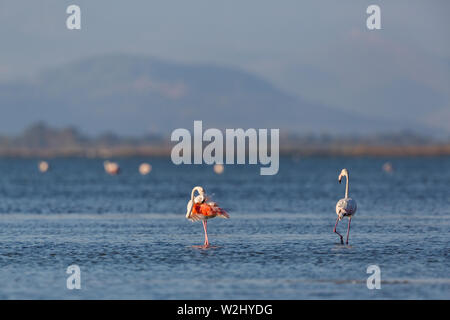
column 164, row 151
column 43, row 141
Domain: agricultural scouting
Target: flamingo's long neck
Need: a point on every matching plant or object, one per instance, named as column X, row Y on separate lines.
column 193, row 196
column 192, row 202
column 347, row 185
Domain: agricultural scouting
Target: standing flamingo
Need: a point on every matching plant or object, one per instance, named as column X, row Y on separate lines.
column 199, row 209
column 345, row 207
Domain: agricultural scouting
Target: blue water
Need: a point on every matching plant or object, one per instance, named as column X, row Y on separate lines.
column 129, row 236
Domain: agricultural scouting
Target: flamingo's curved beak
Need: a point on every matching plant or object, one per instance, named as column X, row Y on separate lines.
column 340, row 178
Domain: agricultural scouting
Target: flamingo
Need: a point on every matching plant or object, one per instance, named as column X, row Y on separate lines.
column 145, row 168
column 345, row 207
column 111, row 168
column 43, row 166
column 198, row 208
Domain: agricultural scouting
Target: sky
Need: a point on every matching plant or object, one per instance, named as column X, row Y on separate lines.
column 317, row 50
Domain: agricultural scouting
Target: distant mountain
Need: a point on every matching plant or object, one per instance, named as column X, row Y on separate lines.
column 134, row 95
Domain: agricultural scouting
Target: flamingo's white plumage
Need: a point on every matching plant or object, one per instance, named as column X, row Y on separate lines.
column 345, row 207
column 199, row 208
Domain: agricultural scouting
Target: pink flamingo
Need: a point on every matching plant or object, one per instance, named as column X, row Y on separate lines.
column 345, row 207
column 198, row 208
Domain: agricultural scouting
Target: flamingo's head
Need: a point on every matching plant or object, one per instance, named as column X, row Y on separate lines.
column 200, row 198
column 344, row 173
column 201, row 192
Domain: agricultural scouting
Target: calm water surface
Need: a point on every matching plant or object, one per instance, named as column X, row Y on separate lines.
column 129, row 236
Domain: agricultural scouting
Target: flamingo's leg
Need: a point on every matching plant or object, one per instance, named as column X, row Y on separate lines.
column 348, row 228
column 205, row 228
column 335, row 226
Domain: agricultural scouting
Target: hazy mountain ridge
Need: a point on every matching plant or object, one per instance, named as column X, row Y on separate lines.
column 134, row 95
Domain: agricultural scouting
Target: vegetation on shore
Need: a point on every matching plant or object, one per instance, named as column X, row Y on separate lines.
column 40, row 140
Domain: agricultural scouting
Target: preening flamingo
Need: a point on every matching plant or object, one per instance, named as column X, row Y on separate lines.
column 345, row 207
column 199, row 208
